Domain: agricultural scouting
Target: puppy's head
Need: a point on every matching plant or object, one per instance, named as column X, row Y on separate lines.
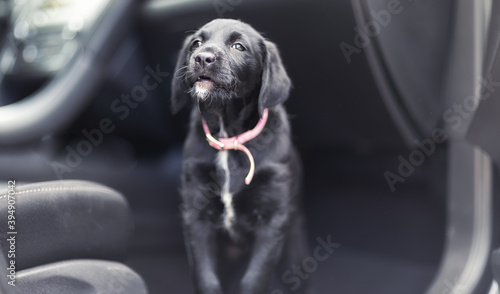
column 227, row 59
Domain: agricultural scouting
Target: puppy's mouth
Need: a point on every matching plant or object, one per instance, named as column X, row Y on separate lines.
column 204, row 85
column 205, row 82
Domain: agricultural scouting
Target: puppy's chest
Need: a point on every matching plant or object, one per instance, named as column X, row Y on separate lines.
column 236, row 206
column 231, row 167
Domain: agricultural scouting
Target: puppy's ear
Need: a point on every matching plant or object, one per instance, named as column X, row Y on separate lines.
column 179, row 89
column 276, row 84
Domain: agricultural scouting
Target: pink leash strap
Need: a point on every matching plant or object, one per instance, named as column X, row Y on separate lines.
column 236, row 143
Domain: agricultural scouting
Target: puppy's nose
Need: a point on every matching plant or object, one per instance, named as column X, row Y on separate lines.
column 205, row 58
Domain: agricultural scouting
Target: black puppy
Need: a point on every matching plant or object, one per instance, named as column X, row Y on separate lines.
column 241, row 174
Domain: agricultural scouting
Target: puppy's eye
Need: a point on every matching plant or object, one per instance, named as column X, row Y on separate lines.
column 238, row 47
column 195, row 44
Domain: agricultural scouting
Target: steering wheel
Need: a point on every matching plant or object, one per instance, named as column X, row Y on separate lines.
column 96, row 36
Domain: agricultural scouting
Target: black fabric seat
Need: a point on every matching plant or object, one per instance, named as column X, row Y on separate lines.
column 69, row 238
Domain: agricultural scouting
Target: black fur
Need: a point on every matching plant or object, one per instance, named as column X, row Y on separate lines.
column 266, row 236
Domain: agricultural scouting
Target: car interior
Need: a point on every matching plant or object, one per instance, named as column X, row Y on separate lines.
column 394, row 111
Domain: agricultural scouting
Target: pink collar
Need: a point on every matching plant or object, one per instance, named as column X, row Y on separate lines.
column 236, row 143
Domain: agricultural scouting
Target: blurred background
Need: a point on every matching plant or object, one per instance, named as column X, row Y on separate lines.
column 370, row 78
